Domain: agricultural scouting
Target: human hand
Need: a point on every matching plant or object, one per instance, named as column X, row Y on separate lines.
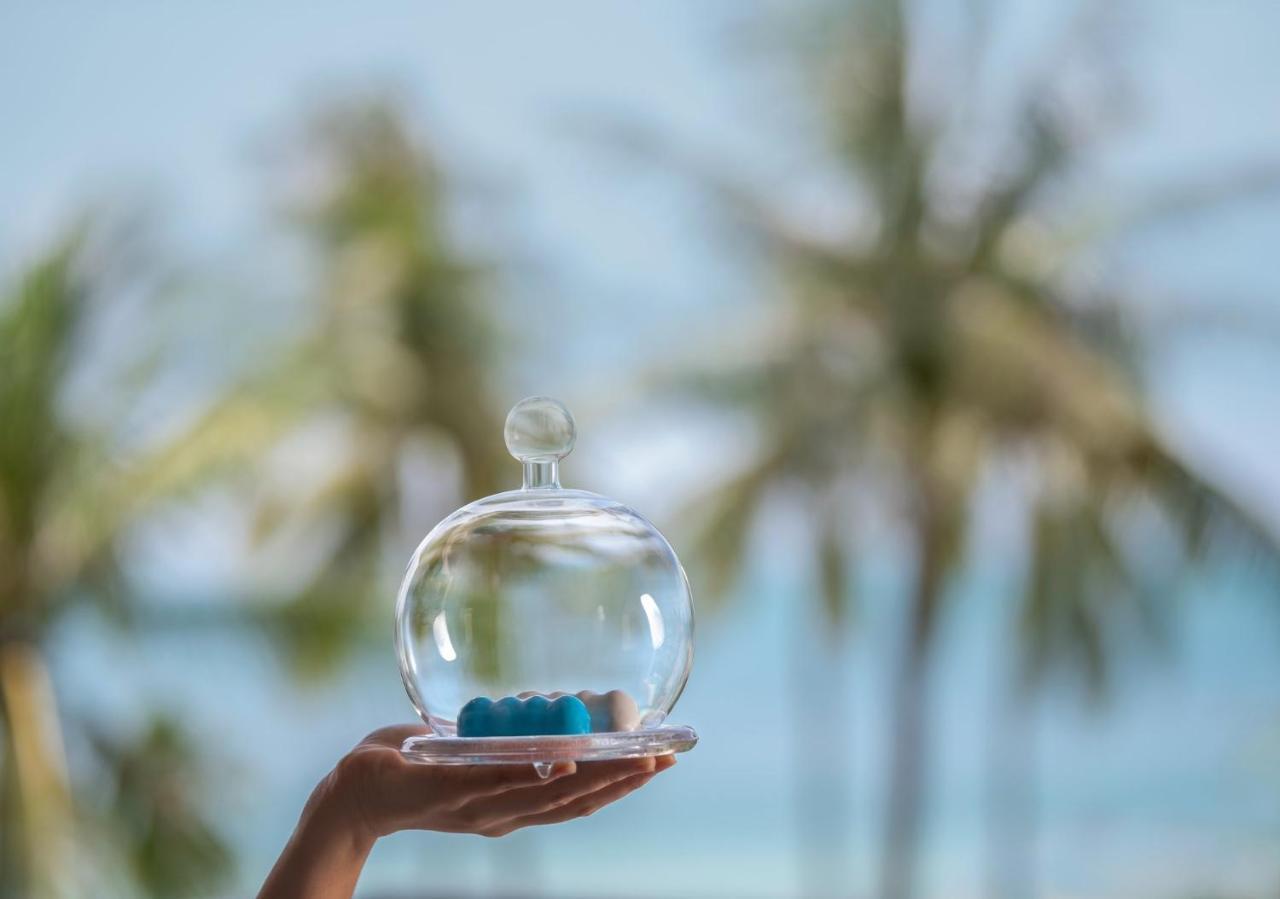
column 377, row 790
column 374, row 791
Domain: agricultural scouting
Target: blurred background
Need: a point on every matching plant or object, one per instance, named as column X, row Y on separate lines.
column 940, row 339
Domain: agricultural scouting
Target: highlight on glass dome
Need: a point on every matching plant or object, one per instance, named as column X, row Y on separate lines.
column 544, row 624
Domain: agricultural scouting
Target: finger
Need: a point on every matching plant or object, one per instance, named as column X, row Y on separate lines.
column 394, row 735
column 592, row 777
column 476, row 782
column 530, row 800
column 579, row 807
column 612, row 769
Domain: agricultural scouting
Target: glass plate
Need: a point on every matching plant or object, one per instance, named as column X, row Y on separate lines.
column 544, row 751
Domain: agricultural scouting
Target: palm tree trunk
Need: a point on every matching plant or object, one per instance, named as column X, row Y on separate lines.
column 820, row 794
column 37, row 795
column 910, row 695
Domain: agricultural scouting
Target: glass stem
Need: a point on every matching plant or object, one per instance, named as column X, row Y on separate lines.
column 541, row 474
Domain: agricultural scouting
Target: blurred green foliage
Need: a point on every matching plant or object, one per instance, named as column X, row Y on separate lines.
column 155, row 811
column 400, row 349
column 64, row 500
column 932, row 350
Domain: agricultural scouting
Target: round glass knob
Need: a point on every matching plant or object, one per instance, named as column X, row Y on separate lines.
column 540, row 429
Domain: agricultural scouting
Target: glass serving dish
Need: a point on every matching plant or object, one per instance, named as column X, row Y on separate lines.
column 544, row 624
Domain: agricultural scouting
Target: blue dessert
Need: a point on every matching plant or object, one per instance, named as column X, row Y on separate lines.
column 512, row 717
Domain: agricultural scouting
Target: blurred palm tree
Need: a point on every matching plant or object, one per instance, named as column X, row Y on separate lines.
column 933, row 345
column 392, row 363
column 66, row 495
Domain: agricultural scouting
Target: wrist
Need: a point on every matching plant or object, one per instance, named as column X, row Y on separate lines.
column 331, row 820
column 325, row 854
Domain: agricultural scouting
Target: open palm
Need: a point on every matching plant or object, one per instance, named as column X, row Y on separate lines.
column 385, row 792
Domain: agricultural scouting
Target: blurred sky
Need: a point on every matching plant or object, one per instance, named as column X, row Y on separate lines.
column 622, row 270
column 180, row 101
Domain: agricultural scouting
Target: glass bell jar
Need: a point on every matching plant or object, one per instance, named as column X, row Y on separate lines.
column 544, row 624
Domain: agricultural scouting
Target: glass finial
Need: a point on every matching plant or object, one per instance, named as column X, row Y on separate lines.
column 540, row 432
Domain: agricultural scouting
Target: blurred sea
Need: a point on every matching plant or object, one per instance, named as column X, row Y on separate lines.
column 1169, row 789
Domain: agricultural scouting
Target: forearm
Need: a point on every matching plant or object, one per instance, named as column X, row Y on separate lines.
column 324, row 856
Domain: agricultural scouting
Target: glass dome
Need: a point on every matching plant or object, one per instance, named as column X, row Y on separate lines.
column 520, row 606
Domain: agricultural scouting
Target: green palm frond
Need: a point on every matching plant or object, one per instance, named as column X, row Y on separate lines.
column 1045, row 153
column 835, row 580
column 1078, row 587
column 38, row 327
column 1206, row 517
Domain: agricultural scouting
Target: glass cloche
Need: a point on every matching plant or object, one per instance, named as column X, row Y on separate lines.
column 544, row 624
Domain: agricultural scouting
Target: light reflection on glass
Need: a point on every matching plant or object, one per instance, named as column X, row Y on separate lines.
column 440, row 630
column 657, row 633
